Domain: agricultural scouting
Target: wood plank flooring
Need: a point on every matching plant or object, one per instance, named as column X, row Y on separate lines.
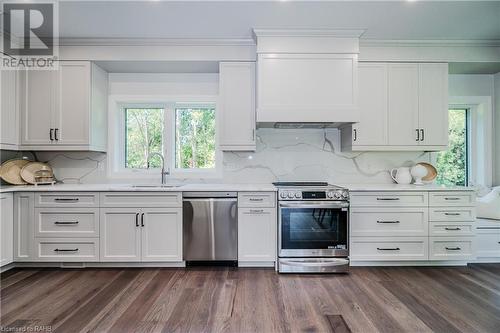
column 439, row 299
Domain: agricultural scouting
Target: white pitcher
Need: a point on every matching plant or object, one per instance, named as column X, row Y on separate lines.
column 401, row 175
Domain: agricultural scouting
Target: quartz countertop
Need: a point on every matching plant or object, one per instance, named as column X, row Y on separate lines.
column 399, row 187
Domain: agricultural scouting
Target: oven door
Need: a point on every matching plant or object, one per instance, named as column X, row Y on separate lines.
column 313, row 229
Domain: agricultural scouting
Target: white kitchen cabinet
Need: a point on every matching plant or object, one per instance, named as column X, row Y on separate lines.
column 161, row 234
column 24, row 240
column 403, row 107
column 135, row 234
column 256, row 235
column 6, row 229
column 433, row 104
column 402, row 113
column 372, row 127
column 307, row 88
column 120, row 234
column 237, row 106
column 9, row 109
column 65, row 109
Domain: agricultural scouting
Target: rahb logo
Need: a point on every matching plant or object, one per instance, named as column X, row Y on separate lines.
column 30, row 32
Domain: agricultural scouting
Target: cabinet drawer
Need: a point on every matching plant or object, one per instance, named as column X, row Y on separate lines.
column 69, row 249
column 488, row 223
column 446, row 248
column 66, row 222
column 389, row 222
column 458, row 199
column 389, row 248
column 141, row 200
column 257, row 199
column 488, row 245
column 67, row 199
column 445, row 214
column 389, row 199
column 452, row 229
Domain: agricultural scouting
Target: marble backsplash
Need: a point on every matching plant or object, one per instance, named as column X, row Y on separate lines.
column 282, row 154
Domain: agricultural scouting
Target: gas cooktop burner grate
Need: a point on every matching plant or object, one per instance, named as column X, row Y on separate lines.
column 298, row 184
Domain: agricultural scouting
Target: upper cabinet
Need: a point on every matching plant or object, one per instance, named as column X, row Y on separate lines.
column 307, row 76
column 237, row 106
column 65, row 109
column 403, row 106
column 9, row 107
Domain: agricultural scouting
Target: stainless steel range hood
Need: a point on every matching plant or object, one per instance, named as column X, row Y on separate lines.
column 291, row 125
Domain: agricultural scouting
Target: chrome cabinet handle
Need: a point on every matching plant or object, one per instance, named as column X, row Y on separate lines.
column 256, row 211
column 66, row 250
column 387, row 199
column 66, row 199
column 142, row 220
column 453, row 248
column 137, row 219
column 256, row 199
column 388, row 221
column 418, row 135
column 423, row 134
column 452, row 214
column 388, row 248
column 451, row 198
column 452, row 228
column 65, row 222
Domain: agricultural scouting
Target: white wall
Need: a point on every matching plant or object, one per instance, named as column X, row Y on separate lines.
column 496, row 143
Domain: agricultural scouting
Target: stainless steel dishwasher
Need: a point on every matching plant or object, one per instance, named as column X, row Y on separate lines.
column 210, row 227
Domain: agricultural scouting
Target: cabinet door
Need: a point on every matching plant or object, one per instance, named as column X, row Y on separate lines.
column 24, row 234
column 237, row 104
column 403, row 104
column 433, row 104
column 6, row 229
column 307, row 88
column 120, row 234
column 372, row 127
column 71, row 116
column 9, row 107
column 38, row 106
column 257, row 234
column 161, row 234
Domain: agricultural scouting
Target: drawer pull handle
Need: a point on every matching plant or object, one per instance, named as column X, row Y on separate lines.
column 388, row 222
column 387, row 199
column 66, row 199
column 452, row 214
column 66, row 250
column 256, row 211
column 451, row 198
column 256, row 199
column 453, row 248
column 452, row 229
column 65, row 222
column 388, row 248
column 137, row 219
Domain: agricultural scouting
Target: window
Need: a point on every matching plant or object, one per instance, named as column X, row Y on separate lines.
column 194, row 138
column 453, row 165
column 143, row 136
column 184, row 133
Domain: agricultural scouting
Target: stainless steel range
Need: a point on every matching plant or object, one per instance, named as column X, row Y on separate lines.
column 313, row 232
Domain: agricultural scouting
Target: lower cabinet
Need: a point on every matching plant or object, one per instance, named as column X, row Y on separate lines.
column 257, row 234
column 67, row 249
column 488, row 240
column 6, row 229
column 389, row 248
column 133, row 234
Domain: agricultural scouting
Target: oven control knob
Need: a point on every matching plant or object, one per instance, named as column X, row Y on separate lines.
column 290, row 195
column 329, row 195
column 298, row 195
column 337, row 195
column 345, row 195
column 283, row 195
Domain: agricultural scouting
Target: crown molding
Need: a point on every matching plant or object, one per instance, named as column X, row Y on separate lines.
column 339, row 33
column 153, row 42
column 430, row 43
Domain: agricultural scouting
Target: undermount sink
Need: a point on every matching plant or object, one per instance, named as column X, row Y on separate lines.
column 155, row 186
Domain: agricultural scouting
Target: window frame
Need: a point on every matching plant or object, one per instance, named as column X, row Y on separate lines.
column 116, row 137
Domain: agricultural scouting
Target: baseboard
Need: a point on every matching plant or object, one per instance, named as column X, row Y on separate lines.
column 100, row 264
column 5, row 268
column 256, row 264
column 409, row 263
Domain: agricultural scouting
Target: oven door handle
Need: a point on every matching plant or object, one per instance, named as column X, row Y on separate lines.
column 326, row 263
column 314, row 204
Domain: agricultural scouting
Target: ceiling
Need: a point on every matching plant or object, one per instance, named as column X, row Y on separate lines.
column 405, row 20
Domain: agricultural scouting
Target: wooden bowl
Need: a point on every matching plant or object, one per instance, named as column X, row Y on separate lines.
column 431, row 172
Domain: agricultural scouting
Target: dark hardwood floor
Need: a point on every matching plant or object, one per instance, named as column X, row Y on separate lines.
column 465, row 299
